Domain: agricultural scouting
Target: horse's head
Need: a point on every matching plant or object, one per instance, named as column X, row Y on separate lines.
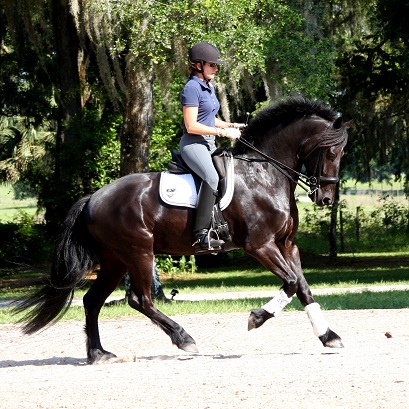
column 298, row 132
column 323, row 161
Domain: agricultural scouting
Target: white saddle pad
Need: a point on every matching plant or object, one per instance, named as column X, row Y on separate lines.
column 180, row 190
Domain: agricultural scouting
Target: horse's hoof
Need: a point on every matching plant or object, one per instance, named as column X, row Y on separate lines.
column 97, row 356
column 192, row 348
column 257, row 318
column 331, row 340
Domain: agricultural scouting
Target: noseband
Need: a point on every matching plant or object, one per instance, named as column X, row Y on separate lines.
column 331, row 137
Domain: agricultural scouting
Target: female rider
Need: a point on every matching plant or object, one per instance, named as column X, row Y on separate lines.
column 200, row 127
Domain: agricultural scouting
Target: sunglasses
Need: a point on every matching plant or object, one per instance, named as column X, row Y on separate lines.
column 212, row 65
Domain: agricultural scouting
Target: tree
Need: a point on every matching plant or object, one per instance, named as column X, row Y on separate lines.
column 373, row 72
column 48, row 33
column 372, row 76
column 129, row 46
column 21, row 145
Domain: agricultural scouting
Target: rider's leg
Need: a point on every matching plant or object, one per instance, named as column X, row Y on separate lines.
column 198, row 158
column 205, row 202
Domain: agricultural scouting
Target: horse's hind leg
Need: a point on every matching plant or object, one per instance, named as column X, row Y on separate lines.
column 140, row 273
column 179, row 337
column 94, row 299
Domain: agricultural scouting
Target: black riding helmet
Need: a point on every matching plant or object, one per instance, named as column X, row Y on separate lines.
column 204, row 52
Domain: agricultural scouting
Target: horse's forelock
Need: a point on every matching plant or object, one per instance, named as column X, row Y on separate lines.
column 279, row 115
column 333, row 137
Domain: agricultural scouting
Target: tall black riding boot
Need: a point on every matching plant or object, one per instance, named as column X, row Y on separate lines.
column 205, row 202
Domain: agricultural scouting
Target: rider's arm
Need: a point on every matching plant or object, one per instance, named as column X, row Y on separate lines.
column 222, row 124
column 193, row 127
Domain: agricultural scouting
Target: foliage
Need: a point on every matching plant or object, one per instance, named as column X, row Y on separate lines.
column 167, row 128
column 389, row 219
column 353, row 54
column 125, row 37
column 21, row 192
column 373, row 76
column 168, row 265
column 21, row 144
column 384, row 228
column 253, row 37
column 94, row 161
column 23, row 242
column 99, row 148
column 317, row 220
column 27, row 62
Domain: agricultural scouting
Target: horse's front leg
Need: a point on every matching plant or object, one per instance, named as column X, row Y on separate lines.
column 285, row 262
column 319, row 324
column 272, row 258
column 260, row 315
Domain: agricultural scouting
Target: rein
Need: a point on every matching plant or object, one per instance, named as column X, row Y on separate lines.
column 310, row 181
column 310, row 184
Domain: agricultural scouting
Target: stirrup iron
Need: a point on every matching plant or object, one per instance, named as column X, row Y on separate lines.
column 200, row 243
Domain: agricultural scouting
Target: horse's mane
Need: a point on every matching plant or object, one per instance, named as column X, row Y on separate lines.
column 281, row 114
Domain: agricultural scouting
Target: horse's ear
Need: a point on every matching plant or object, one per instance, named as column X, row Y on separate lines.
column 348, row 124
column 337, row 123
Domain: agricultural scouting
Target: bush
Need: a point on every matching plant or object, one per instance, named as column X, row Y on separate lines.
column 175, row 265
column 383, row 229
column 23, row 241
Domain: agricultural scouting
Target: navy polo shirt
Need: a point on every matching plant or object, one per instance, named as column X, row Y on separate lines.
column 196, row 93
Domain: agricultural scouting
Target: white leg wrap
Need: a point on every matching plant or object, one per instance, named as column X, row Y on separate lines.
column 276, row 305
column 318, row 322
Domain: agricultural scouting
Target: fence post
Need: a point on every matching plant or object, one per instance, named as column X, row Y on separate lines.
column 333, row 226
column 341, row 231
column 357, row 223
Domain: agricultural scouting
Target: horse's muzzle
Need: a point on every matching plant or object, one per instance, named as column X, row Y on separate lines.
column 326, row 201
column 322, row 197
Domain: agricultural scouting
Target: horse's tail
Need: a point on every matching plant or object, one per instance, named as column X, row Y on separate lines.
column 73, row 258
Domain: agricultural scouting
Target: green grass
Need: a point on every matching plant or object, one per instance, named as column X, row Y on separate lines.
column 9, row 207
column 392, row 184
column 227, row 279
column 325, row 276
column 368, row 201
column 257, row 279
column 346, row 301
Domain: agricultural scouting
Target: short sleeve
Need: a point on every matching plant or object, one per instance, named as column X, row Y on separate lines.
column 190, row 96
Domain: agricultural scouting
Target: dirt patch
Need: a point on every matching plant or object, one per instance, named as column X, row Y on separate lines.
column 281, row 364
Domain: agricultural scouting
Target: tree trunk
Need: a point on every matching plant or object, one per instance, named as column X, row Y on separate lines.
column 136, row 129
column 68, row 52
column 136, row 134
column 70, row 57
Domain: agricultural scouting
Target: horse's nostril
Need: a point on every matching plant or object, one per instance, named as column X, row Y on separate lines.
column 326, row 201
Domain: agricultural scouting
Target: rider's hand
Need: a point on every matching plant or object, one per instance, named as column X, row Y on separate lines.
column 231, row 133
column 238, row 126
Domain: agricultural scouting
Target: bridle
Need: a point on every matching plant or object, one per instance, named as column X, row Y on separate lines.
column 310, row 184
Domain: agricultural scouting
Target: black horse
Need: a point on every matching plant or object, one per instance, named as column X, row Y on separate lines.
column 124, row 224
